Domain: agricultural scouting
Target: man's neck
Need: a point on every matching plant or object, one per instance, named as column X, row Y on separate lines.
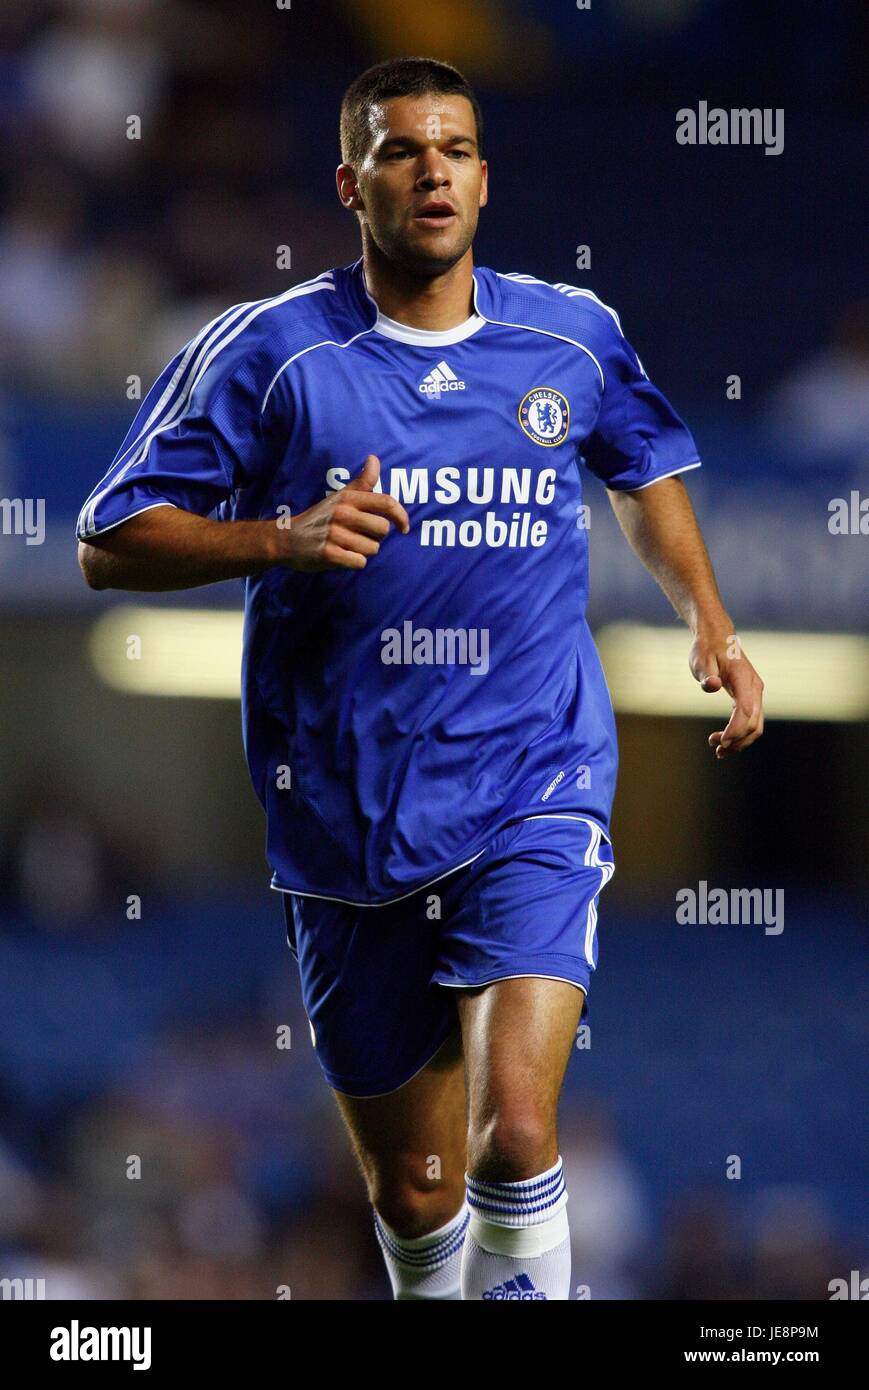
column 437, row 303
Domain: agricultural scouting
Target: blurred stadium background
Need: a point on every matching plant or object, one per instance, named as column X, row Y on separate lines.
column 156, row 1036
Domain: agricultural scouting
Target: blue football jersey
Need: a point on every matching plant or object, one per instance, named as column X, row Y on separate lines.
column 395, row 717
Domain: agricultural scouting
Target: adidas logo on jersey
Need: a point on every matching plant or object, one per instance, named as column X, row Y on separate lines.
column 521, row 1289
column 440, row 378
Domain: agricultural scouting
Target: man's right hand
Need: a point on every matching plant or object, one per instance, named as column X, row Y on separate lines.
column 343, row 530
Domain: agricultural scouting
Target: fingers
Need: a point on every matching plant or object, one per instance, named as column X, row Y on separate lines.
column 346, row 539
column 742, row 730
column 368, row 474
column 335, row 556
column 363, row 495
column 356, row 528
column 359, row 492
column 381, row 503
column 366, row 523
column 745, row 725
column 741, row 722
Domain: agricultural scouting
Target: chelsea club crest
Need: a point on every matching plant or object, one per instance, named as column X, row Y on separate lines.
column 544, row 415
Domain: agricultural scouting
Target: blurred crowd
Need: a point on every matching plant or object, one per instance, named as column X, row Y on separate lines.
column 143, row 154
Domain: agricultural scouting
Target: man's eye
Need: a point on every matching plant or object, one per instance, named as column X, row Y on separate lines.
column 405, row 154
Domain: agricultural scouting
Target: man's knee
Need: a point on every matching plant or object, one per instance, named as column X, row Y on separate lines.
column 513, row 1141
column 410, row 1201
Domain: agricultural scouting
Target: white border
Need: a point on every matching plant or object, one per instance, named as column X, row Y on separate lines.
column 686, row 468
column 520, row 975
column 85, row 540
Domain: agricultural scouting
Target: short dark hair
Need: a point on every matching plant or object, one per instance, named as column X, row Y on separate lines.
column 397, row 77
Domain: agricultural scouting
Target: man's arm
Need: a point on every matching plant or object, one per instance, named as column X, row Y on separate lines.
column 168, row 548
column 661, row 527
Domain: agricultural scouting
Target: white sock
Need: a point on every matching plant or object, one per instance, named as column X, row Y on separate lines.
column 425, row 1267
column 518, row 1242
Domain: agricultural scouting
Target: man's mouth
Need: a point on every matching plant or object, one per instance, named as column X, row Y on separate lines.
column 435, row 214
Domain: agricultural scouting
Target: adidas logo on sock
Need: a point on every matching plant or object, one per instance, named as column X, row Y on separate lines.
column 520, row 1288
column 440, row 378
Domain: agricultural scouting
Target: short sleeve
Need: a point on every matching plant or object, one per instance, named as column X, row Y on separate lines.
column 638, row 438
column 197, row 438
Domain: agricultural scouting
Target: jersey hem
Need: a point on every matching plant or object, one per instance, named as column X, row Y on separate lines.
column 350, row 902
column 330, row 898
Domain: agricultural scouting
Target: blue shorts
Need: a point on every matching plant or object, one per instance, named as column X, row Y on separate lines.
column 377, row 982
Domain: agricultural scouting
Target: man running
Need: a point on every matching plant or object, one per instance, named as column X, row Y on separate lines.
column 393, row 451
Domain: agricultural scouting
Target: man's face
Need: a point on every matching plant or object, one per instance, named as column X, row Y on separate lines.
column 422, row 183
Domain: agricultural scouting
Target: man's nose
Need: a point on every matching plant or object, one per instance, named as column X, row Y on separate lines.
column 435, row 171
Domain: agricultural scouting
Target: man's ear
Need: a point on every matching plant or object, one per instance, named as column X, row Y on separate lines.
column 348, row 189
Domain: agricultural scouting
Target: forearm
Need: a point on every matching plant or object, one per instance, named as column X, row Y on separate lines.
column 659, row 523
column 167, row 548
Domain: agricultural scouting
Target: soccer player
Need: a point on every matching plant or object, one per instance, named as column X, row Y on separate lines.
column 393, row 452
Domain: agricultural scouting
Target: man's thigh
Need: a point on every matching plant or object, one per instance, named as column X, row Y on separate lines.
column 519, row 950
column 416, row 1136
column 517, row 1037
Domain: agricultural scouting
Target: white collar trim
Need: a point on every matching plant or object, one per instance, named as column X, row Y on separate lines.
column 427, row 337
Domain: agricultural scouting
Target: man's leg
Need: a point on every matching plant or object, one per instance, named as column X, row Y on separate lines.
column 411, row 1146
column 517, row 1037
